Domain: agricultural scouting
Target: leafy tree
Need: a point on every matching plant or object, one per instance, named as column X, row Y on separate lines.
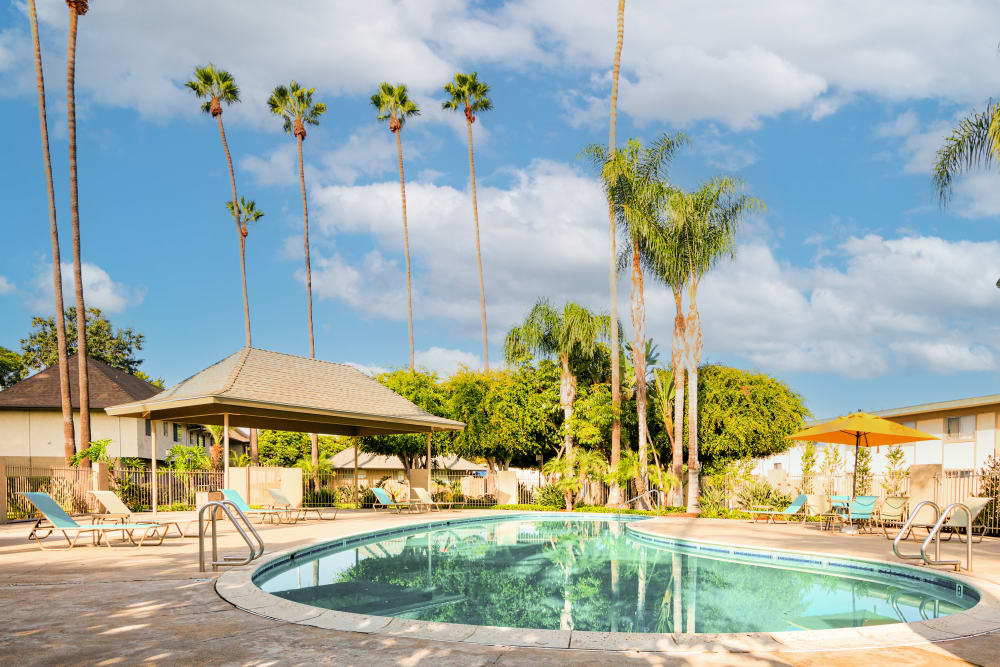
column 833, row 464
column 863, row 471
column 570, row 336
column 808, row 467
column 470, row 95
column 281, row 448
column 573, row 469
column 215, row 431
column 896, row 473
column 12, row 368
column 95, row 452
column 69, row 439
column 187, row 457
column 115, row 347
column 394, row 105
column 744, row 415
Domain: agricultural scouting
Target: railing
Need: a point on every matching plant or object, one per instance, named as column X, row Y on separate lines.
column 256, row 551
column 659, row 501
column 935, row 535
column 908, row 527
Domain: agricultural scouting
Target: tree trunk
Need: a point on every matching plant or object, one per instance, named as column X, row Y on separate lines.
column 305, row 224
column 479, row 256
column 406, row 242
column 614, row 493
column 254, row 451
column 677, row 359
column 693, row 331
column 69, row 438
column 567, row 394
column 74, row 202
column 239, row 227
column 639, row 363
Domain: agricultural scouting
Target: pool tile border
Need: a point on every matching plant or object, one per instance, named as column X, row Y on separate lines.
column 238, row 587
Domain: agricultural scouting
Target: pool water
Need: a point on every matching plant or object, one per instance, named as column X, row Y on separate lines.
column 592, row 574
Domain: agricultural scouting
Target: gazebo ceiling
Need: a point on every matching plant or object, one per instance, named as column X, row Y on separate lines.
column 264, row 389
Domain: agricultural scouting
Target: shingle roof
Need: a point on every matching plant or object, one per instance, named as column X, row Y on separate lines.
column 261, row 388
column 345, row 460
column 108, row 386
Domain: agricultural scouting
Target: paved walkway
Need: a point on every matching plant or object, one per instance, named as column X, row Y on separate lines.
column 124, row 606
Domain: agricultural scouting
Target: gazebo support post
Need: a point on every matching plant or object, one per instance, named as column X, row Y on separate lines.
column 152, row 459
column 225, row 450
column 357, row 498
column 429, row 462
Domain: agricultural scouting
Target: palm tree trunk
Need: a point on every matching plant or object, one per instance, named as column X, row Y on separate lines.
column 406, row 243
column 309, row 301
column 479, row 256
column 567, row 394
column 614, row 493
column 74, row 201
column 239, row 227
column 639, row 362
column 693, row 331
column 69, row 438
column 677, row 359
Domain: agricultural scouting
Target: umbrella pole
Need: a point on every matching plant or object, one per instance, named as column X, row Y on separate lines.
column 857, row 443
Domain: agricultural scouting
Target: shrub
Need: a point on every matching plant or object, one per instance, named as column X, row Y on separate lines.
column 759, row 492
column 548, row 495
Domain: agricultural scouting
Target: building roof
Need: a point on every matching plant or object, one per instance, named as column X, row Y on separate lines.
column 265, row 389
column 941, row 406
column 108, row 386
column 345, row 460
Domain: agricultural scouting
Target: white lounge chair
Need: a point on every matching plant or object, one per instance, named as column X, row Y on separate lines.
column 281, row 501
column 117, row 510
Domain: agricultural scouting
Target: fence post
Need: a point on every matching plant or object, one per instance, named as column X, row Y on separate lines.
column 3, row 491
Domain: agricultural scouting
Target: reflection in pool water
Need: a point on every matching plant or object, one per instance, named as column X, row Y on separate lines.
column 581, row 574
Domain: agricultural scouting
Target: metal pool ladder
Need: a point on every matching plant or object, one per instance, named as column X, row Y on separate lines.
column 935, row 535
column 256, row 551
column 659, row 498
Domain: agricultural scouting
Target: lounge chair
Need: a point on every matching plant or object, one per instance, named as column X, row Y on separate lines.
column 861, row 512
column 276, row 514
column 384, row 500
column 118, row 511
column 281, row 501
column 58, row 520
column 957, row 523
column 819, row 505
column 426, row 499
column 892, row 513
column 771, row 514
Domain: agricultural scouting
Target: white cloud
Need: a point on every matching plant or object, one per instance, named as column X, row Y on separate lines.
column 445, row 361
column 367, row 369
column 6, row 287
column 978, row 195
column 99, row 290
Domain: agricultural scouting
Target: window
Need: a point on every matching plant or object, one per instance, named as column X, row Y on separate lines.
column 958, row 473
column 177, row 433
column 164, row 428
column 777, row 465
column 192, row 438
column 960, row 428
column 149, row 427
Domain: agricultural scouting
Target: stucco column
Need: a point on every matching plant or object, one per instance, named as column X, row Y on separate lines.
column 225, row 450
column 152, row 458
column 429, row 462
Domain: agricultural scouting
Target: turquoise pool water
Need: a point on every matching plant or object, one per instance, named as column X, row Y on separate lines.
column 594, row 574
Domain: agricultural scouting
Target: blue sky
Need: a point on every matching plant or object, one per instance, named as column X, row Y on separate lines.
column 855, row 286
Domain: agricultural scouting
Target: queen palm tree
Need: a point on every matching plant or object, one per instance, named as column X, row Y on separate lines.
column 294, row 105
column 218, row 87
column 616, row 379
column 394, row 105
column 468, row 94
column 705, row 222
column 69, row 438
column 77, row 8
column 570, row 336
column 973, row 144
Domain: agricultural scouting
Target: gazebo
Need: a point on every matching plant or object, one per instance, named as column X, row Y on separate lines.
column 256, row 388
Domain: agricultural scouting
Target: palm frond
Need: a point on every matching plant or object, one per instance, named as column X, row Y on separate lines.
column 973, row 144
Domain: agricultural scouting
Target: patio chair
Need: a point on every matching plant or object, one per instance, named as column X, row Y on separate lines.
column 819, row 505
column 384, row 500
column 118, row 511
column 861, row 512
column 281, row 501
column 892, row 513
column 772, row 513
column 58, row 520
column 276, row 514
column 957, row 523
column 426, row 499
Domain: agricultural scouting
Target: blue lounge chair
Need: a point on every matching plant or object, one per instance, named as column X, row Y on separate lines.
column 771, row 514
column 58, row 520
column 276, row 514
column 861, row 512
column 384, row 500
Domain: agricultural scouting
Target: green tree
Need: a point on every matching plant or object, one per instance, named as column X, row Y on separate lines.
column 77, row 8
column 115, row 347
column 973, row 144
column 187, row 457
column 808, row 467
column 704, row 222
column 469, row 94
column 282, row 449
column 570, row 336
column 744, row 415
column 575, row 468
column 97, row 451
column 217, row 86
column 833, row 465
column 12, row 368
column 896, row 473
column 863, row 471
column 294, row 105
column 215, row 431
column 394, row 105
column 69, row 438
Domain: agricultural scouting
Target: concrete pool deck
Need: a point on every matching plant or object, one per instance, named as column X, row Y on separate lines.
column 124, row 606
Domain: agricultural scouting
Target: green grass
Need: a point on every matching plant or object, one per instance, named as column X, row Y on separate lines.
column 595, row 509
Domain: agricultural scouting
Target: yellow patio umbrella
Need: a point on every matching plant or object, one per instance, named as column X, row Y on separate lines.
column 861, row 430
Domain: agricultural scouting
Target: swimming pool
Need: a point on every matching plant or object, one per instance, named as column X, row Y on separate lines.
column 582, row 573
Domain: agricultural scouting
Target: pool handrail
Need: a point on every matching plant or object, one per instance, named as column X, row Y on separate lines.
column 907, row 527
column 935, row 532
column 227, row 561
column 659, row 499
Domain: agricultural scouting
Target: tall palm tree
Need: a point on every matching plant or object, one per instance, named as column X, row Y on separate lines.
column 569, row 336
column 705, row 221
column 69, row 438
column 468, row 94
column 393, row 104
column 973, row 144
column 634, row 179
column 294, row 105
column 614, row 494
column 77, row 8
column 218, row 87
